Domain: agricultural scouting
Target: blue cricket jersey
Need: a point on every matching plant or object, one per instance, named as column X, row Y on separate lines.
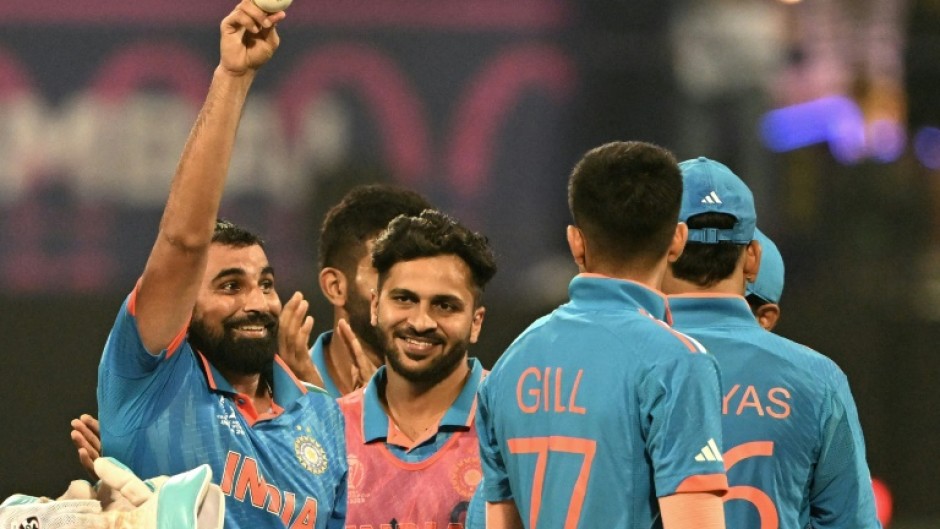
column 167, row 413
column 476, row 511
column 598, row 409
column 318, row 357
column 793, row 444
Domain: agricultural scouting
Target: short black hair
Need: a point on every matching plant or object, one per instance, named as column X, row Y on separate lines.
column 230, row 234
column 625, row 198
column 431, row 234
column 361, row 215
column 705, row 264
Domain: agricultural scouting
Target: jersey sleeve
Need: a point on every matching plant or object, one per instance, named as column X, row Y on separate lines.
column 476, row 511
column 337, row 518
column 841, row 495
column 680, row 404
column 128, row 372
column 495, row 478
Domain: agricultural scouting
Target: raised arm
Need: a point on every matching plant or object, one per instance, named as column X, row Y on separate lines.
column 175, row 268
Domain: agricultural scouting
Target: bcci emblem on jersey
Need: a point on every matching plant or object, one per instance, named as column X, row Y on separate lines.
column 465, row 476
column 310, row 454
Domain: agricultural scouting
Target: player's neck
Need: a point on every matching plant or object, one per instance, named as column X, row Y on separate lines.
column 649, row 277
column 731, row 285
column 339, row 364
column 415, row 407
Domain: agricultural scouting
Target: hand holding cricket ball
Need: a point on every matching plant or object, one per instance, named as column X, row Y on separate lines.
column 273, row 6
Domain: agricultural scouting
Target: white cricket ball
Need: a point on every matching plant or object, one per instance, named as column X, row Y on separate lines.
column 273, row 6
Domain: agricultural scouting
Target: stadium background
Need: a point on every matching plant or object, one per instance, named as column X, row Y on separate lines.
column 827, row 108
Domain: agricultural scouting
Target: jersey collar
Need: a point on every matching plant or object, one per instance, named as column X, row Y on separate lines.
column 287, row 388
column 597, row 292
column 711, row 310
column 377, row 425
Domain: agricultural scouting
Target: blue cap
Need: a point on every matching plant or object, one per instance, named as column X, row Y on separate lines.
column 710, row 187
column 769, row 283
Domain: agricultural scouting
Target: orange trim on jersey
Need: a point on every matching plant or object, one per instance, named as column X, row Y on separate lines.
column 682, row 338
column 704, row 483
column 132, row 300
column 693, row 510
column 420, row 465
column 176, row 342
column 208, row 370
column 246, row 407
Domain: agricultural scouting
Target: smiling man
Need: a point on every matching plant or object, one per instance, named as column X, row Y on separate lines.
column 413, row 451
column 189, row 374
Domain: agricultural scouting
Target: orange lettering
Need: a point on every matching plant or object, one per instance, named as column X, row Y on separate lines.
column 724, row 401
column 250, row 481
column 784, row 412
column 288, row 511
column 548, row 373
column 750, row 400
column 574, row 395
column 274, row 502
column 558, row 406
column 307, row 519
column 527, row 408
column 228, row 476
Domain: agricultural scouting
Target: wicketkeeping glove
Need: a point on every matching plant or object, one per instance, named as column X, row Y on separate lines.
column 121, row 500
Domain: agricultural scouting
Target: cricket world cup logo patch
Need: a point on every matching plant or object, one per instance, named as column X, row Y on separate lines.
column 465, row 476
column 310, row 454
column 356, row 479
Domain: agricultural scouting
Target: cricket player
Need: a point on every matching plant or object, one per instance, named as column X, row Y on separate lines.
column 599, row 415
column 793, row 450
column 414, row 458
column 764, row 293
column 189, row 374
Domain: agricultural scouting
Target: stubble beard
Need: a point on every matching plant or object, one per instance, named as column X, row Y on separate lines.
column 437, row 370
column 359, row 315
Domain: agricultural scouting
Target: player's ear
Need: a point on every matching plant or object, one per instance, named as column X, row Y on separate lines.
column 678, row 243
column 334, row 286
column 752, row 255
column 576, row 245
column 477, row 324
column 768, row 315
column 374, row 307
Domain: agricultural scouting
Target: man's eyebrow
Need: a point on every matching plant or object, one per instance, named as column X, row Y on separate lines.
column 448, row 298
column 234, row 271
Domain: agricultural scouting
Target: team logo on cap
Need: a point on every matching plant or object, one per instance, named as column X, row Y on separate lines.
column 310, row 454
column 465, row 476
